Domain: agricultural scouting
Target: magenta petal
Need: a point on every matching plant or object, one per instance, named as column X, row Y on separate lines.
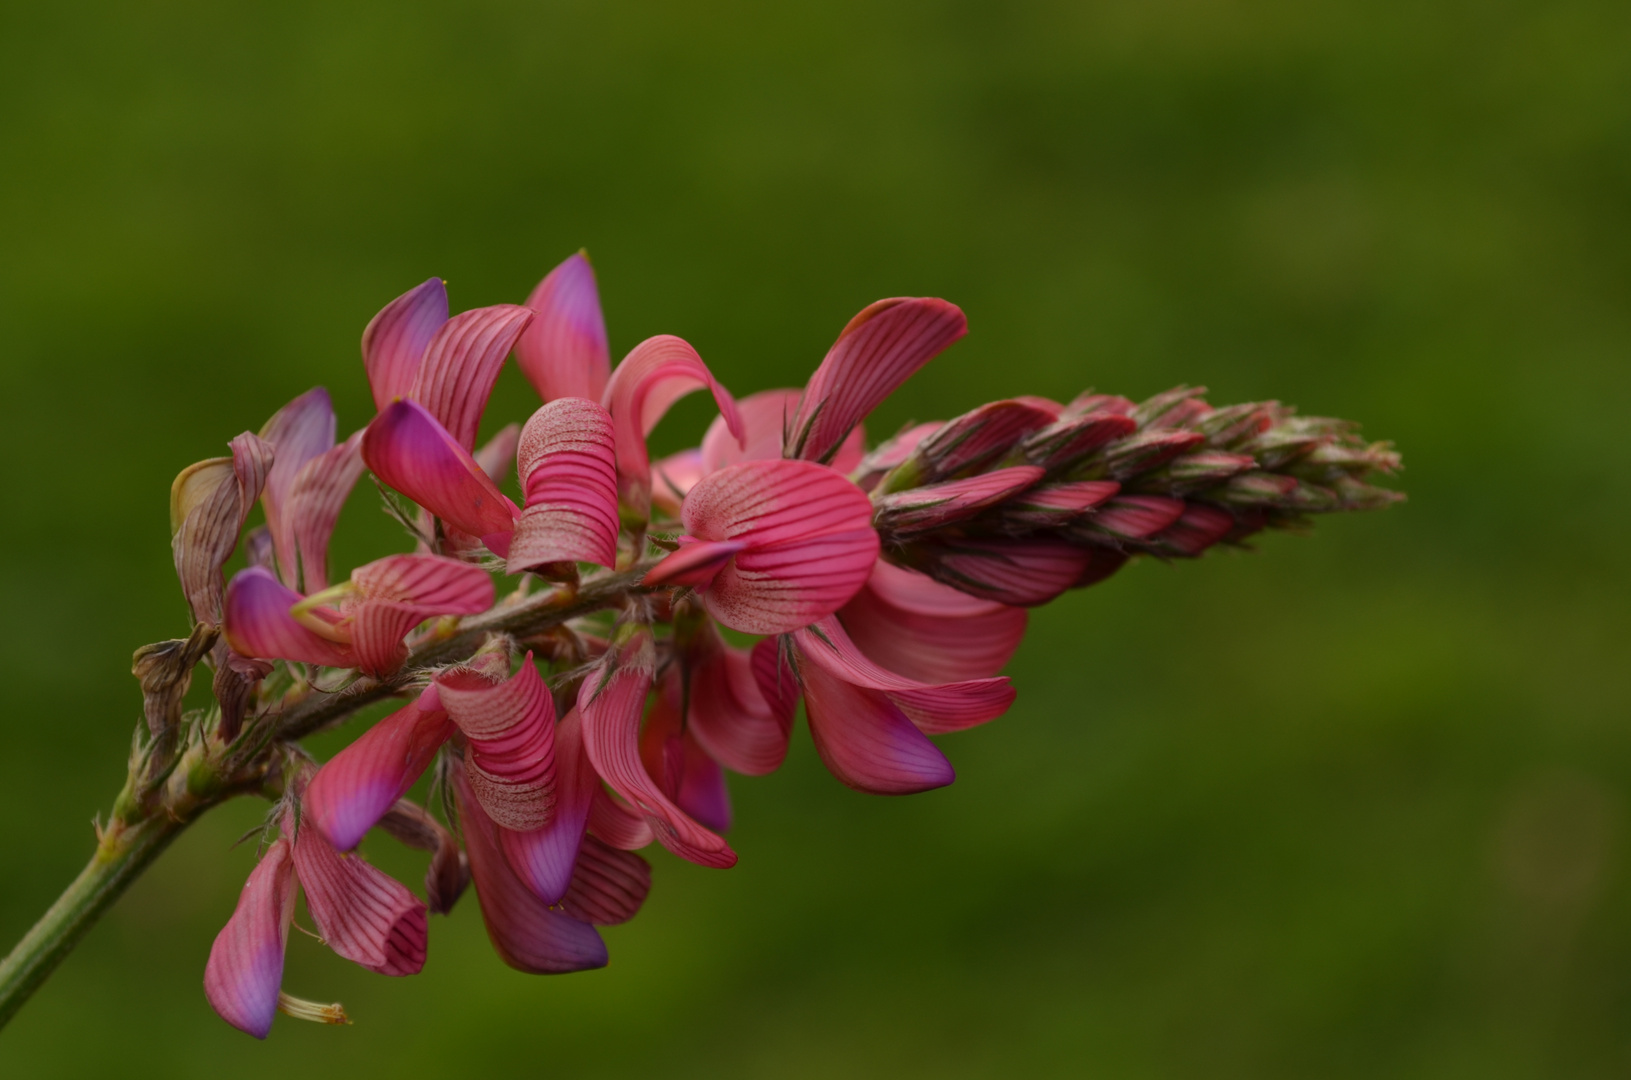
column 679, row 765
column 695, row 563
column 461, row 364
column 363, row 913
column 315, row 500
column 936, row 505
column 526, row 932
column 774, row 676
column 511, row 728
column 978, row 438
column 298, row 432
column 245, row 969
column 729, row 715
column 568, row 470
column 397, row 593
column 258, row 623
column 1074, row 437
column 543, row 857
column 617, row 823
column 1021, row 572
column 879, row 349
column 409, row 450
column 394, row 341
column 608, row 885
column 361, row 783
column 1199, row 528
column 765, row 419
column 563, row 351
column 1134, row 517
column 497, row 454
column 915, row 626
column 1052, row 505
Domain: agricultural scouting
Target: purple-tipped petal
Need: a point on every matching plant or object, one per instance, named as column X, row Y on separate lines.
column 879, row 349
column 363, row 913
column 936, row 505
column 526, row 932
column 461, row 364
column 245, row 969
column 1022, row 572
column 314, row 502
column 917, row 627
column 729, row 714
column 608, row 885
column 543, row 857
column 568, row 470
column 410, row 451
column 394, row 342
column 209, row 502
column 258, row 624
column 298, row 432
column 678, row 763
column 361, row 783
column 511, row 728
column 497, row 454
column 563, row 352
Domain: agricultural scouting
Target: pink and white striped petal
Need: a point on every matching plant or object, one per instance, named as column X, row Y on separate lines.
column 934, row 506
column 245, row 968
column 568, row 469
column 410, row 451
column 461, row 364
column 729, row 715
column 363, row 913
column 563, row 351
column 298, row 432
column 917, row 627
column 315, row 500
column 608, row 885
column 257, row 623
column 510, row 765
column 393, row 344
column 543, row 857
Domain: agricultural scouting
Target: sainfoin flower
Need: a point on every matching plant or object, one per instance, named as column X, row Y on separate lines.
column 600, row 704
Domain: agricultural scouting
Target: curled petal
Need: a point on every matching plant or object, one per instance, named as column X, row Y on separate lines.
column 569, row 473
column 511, row 727
column 936, row 505
column 563, row 351
column 608, row 885
column 298, row 432
column 449, row 871
column 496, row 454
column 614, row 821
column 879, row 349
column 245, row 969
column 525, row 931
column 363, row 913
column 209, row 503
column 409, row 450
column 543, row 857
column 361, row 783
column 315, row 500
column 1021, row 572
column 394, row 342
column 729, row 715
column 461, row 364
column 258, row 624
column 915, row 626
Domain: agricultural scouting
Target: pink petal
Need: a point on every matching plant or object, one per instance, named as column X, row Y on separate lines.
column 608, row 885
column 614, row 821
column 1199, row 528
column 879, row 349
column 1087, row 403
column 1134, row 517
column 876, row 465
column 526, row 932
column 765, row 417
column 611, row 702
column 1049, row 506
column 315, row 500
column 729, row 715
column 245, row 969
column 696, row 563
column 361, row 783
column 915, row 626
column 978, row 438
column 1022, row 572
column 777, row 682
column 1101, row 564
column 675, row 475
column 397, row 593
column 497, row 454
column 511, row 728
column 209, row 503
column 810, row 542
column 394, row 342
column 1072, row 438
column 658, row 372
column 449, row 872
column 461, row 364
column 679, row 766
column 543, row 857
column 408, row 450
column 298, row 432
column 363, row 913
column 258, row 623
column 569, row 473
column 563, row 351
column 937, row 505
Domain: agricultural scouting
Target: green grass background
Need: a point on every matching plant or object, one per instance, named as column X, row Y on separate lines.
column 1354, row 805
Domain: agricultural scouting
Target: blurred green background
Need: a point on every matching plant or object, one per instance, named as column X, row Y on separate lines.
column 1354, row 805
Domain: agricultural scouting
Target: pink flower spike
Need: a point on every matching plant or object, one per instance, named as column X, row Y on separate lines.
column 611, row 702
column 258, row 623
column 936, row 505
column 809, row 542
column 1022, row 572
column 245, row 969
column 361, row 783
column 394, row 342
column 729, row 716
column 391, row 596
column 544, row 857
column 298, row 432
column 879, row 349
column 209, row 502
column 461, row 364
column 410, row 451
column 917, row 627
column 315, row 500
column 363, row 913
column 526, row 932
column 563, row 351
column 656, row 373
column 608, row 885
column 511, row 728
column 568, row 470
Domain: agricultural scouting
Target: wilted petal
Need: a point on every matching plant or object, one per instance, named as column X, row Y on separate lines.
column 410, row 451
column 245, row 969
column 363, row 913
column 234, row 685
column 915, row 626
column 608, row 885
column 1021, row 572
column 563, row 351
column 394, row 342
column 879, row 349
column 543, row 857
column 511, row 727
column 298, row 432
column 209, row 502
column 496, row 455
column 526, row 932
column 461, row 364
column 258, row 624
column 449, row 870
column 729, row 715
column 936, row 505
column 314, row 502
column 678, row 765
column 568, row 471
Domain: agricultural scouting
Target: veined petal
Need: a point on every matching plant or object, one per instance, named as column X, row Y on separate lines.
column 361, row 783
column 314, row 502
column 1072, row 438
column 394, row 342
column 1021, row 572
column 617, row 823
column 209, row 502
column 544, row 857
column 258, row 624
column 245, row 969
column 511, row 727
column 568, row 470
column 765, row 419
column 1199, row 527
column 461, row 364
column 729, row 715
column 1134, row 517
column 449, row 870
column 935, row 505
column 611, row 702
column 890, row 453
column 679, row 766
column 563, row 351
column 298, row 432
column 1050, row 506
column 397, row 593
column 695, row 563
column 363, row 913
column 978, row 438
column 879, row 349
column 526, row 932
column 656, row 373
column 497, row 454
column 773, row 674
column 915, row 626
column 608, row 885
column 409, row 450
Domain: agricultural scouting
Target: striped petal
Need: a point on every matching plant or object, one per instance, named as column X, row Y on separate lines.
column 1049, row 506
column 245, row 969
column 1021, row 572
column 620, row 825
column 363, row 913
column 209, row 502
column 608, row 885
column 1133, row 517
column 315, row 500
column 915, row 626
column 408, row 449
column 879, row 349
column 679, row 765
column 934, row 506
column 393, row 344
column 449, row 872
column 563, row 351
column 729, row 716
column 461, row 364
column 525, row 931
column 765, row 418
column 397, row 593
column 978, row 438
column 1198, row 528
column 568, row 470
column 298, row 432
column 695, row 563
column 544, row 857
column 1071, row 438
column 258, row 624
column 510, row 765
